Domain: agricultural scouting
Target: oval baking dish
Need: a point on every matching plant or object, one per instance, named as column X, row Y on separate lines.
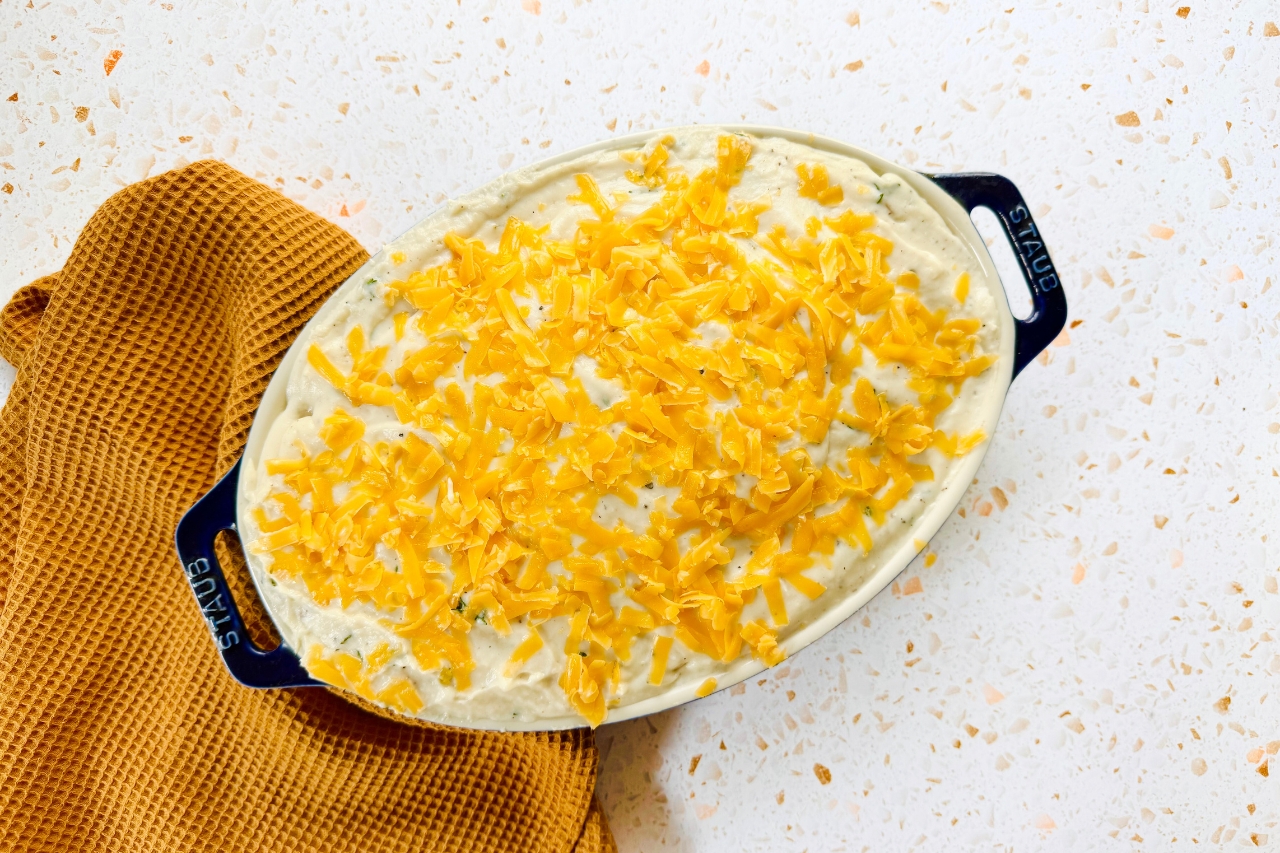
column 951, row 196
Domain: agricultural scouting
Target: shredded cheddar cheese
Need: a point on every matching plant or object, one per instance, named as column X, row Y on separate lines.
column 815, row 184
column 482, row 512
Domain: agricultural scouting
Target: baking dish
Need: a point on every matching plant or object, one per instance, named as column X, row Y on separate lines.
column 951, row 196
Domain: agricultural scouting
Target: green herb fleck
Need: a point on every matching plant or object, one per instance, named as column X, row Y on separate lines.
column 344, row 639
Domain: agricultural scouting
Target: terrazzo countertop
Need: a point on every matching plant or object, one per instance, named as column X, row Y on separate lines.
column 1089, row 662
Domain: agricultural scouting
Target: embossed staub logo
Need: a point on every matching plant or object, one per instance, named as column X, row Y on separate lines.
column 1031, row 248
column 212, row 604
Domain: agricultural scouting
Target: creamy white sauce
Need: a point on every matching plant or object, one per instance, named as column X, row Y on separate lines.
column 603, row 392
column 923, row 243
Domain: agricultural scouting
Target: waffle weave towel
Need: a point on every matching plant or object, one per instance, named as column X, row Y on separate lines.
column 140, row 366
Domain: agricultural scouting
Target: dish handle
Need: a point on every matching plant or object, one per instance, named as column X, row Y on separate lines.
column 1049, row 303
column 194, row 537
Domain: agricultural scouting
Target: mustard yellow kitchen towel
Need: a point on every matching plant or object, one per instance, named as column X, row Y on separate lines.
column 140, row 366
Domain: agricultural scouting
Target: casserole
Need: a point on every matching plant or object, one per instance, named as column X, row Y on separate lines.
column 945, row 201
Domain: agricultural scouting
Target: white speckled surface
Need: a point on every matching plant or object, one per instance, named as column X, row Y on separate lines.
column 1062, row 677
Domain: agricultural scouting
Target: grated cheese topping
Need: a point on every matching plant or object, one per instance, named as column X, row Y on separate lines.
column 621, row 442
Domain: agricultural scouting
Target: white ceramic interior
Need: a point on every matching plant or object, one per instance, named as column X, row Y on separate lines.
column 948, row 498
